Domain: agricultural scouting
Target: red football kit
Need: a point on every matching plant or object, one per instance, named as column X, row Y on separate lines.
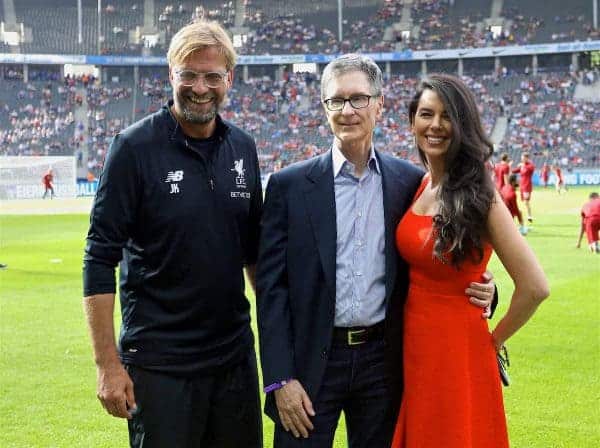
column 545, row 174
column 509, row 196
column 590, row 214
column 525, row 171
column 559, row 176
column 500, row 170
column 47, row 179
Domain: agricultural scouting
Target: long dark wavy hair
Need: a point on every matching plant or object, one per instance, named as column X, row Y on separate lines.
column 466, row 190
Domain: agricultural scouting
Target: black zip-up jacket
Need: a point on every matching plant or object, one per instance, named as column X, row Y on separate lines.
column 182, row 221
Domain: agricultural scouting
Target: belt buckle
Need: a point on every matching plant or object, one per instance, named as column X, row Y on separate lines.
column 352, row 334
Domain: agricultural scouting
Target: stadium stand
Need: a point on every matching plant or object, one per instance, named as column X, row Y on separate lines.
column 293, row 27
column 170, row 16
column 550, row 23
column 288, row 26
column 287, row 120
column 441, row 25
column 54, row 26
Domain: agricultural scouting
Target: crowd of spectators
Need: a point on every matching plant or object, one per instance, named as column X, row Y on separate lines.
column 287, row 120
column 172, row 16
column 37, row 118
column 433, row 25
column 311, row 27
column 289, row 34
column 439, row 28
column 547, row 122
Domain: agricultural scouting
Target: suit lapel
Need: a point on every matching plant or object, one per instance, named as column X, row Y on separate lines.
column 320, row 204
column 391, row 205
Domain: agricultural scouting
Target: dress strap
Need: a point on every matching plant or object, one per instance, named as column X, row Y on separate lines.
column 424, row 183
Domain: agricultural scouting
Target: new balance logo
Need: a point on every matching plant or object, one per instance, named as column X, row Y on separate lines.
column 174, row 176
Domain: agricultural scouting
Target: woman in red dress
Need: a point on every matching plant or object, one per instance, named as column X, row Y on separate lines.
column 452, row 393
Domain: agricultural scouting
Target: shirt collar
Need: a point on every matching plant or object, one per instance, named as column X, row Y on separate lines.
column 339, row 160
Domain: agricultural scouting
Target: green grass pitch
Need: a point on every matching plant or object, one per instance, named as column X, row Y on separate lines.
column 48, row 380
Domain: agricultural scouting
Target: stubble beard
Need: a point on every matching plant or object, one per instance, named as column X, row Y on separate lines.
column 192, row 116
column 199, row 118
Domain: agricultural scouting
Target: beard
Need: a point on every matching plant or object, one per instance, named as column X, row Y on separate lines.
column 196, row 117
column 192, row 115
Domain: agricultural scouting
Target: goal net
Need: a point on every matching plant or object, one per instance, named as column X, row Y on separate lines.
column 21, row 176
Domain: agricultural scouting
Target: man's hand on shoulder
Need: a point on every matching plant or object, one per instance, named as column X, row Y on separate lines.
column 294, row 408
column 482, row 294
column 115, row 390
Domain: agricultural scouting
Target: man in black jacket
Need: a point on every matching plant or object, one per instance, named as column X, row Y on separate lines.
column 178, row 205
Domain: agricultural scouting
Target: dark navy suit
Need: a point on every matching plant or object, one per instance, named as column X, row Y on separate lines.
column 296, row 273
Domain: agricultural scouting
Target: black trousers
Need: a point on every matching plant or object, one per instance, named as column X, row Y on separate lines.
column 354, row 382
column 213, row 411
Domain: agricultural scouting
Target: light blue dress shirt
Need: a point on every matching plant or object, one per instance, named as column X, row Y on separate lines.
column 360, row 248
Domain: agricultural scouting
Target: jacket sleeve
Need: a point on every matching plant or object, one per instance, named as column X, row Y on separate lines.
column 111, row 218
column 273, row 306
column 254, row 219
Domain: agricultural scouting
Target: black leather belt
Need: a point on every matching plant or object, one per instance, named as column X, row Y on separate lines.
column 352, row 336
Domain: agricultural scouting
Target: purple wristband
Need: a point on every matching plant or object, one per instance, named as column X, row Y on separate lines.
column 275, row 386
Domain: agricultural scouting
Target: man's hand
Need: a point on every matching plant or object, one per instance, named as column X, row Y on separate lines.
column 482, row 294
column 115, row 391
column 294, row 408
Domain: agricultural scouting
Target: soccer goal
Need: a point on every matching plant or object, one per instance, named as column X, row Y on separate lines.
column 21, row 176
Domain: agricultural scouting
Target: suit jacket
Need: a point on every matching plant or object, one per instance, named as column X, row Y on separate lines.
column 295, row 278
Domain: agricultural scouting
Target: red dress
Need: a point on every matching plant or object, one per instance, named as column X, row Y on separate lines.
column 452, row 392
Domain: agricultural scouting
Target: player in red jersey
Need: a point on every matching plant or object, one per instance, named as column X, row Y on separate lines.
column 590, row 223
column 545, row 174
column 509, row 196
column 526, row 169
column 560, row 181
column 501, row 171
column 48, row 187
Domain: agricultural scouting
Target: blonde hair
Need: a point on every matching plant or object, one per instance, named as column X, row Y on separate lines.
column 198, row 36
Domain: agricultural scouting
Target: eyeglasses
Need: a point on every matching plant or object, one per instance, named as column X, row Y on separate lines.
column 212, row 80
column 356, row 101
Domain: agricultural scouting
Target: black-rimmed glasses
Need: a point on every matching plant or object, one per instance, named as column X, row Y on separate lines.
column 212, row 80
column 356, row 101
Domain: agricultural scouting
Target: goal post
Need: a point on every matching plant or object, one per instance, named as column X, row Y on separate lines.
column 21, row 176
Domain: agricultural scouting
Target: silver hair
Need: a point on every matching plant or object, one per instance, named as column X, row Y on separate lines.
column 353, row 62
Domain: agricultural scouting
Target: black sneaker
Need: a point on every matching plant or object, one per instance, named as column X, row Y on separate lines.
column 530, row 220
column 3, row 266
